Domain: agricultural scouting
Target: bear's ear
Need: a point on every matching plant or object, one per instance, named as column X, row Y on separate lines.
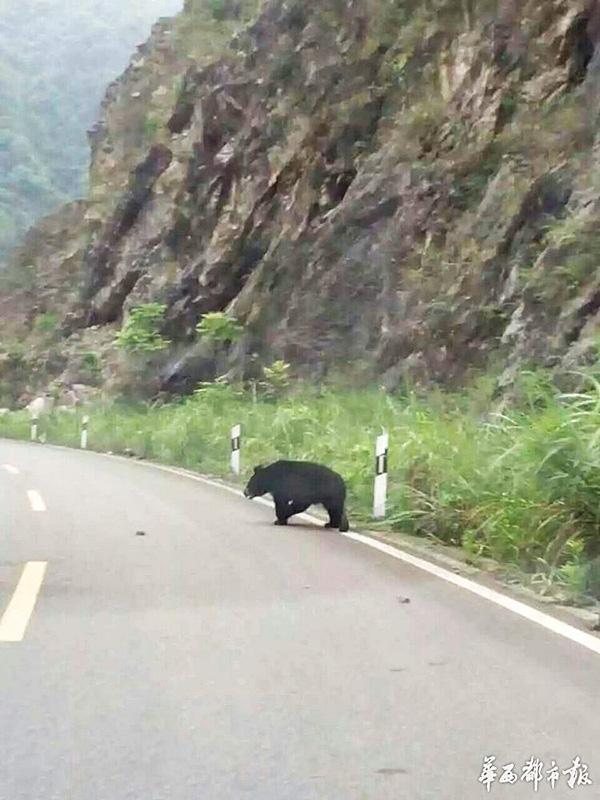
column 258, row 469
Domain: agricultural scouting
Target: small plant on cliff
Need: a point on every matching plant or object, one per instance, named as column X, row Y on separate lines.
column 217, row 8
column 90, row 366
column 46, row 324
column 277, row 379
column 140, row 334
column 287, row 67
column 397, row 66
column 219, row 328
column 151, row 126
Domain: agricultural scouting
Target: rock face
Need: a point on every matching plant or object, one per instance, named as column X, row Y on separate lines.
column 357, row 181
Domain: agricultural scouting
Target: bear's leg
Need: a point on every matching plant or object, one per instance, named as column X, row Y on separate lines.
column 335, row 515
column 288, row 508
column 282, row 511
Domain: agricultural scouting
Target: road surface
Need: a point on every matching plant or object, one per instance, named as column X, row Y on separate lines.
column 219, row 657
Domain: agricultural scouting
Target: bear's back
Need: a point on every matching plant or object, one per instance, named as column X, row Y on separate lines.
column 304, row 479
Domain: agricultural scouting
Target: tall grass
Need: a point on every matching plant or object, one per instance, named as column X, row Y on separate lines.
column 520, row 487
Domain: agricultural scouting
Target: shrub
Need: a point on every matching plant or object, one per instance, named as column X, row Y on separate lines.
column 287, row 67
column 219, row 328
column 276, row 379
column 218, row 9
column 141, row 331
column 151, row 126
column 90, row 361
column 46, row 323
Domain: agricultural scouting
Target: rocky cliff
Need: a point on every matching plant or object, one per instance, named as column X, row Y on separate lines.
column 405, row 187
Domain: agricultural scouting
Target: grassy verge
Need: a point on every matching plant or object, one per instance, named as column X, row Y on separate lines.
column 520, row 487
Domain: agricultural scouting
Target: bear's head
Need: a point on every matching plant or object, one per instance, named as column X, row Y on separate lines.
column 257, row 484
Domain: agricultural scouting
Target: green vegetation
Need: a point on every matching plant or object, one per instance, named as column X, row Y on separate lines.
column 218, row 8
column 91, row 362
column 13, row 368
column 206, row 27
column 141, row 332
column 287, row 66
column 218, row 327
column 151, row 127
column 520, row 487
column 276, row 379
column 47, row 324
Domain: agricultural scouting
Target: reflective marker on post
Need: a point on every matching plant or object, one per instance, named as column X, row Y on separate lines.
column 236, row 437
column 381, row 468
column 84, row 432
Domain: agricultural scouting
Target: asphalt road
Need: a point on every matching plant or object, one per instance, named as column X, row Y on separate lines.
column 219, row 657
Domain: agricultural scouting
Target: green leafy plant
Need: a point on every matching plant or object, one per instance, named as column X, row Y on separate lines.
column 47, row 323
column 277, row 379
column 90, row 361
column 218, row 391
column 219, row 328
column 397, row 67
column 218, row 8
column 287, row 66
column 141, row 331
column 151, row 126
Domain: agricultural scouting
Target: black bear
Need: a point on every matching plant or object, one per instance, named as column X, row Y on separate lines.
column 296, row 485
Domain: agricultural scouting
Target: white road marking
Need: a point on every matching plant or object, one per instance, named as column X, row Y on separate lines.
column 11, row 469
column 587, row 640
column 553, row 624
column 522, row 609
column 16, row 617
column 36, row 500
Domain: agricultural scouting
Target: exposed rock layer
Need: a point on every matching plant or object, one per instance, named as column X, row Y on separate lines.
column 405, row 190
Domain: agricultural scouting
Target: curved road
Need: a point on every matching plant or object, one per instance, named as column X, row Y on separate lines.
column 220, row 658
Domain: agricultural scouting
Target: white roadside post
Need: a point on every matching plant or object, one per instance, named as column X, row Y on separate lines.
column 381, row 470
column 236, row 436
column 84, row 433
column 34, row 429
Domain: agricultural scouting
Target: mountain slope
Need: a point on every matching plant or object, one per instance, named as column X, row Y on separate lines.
column 411, row 187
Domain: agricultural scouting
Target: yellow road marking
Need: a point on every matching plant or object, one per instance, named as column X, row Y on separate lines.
column 16, row 617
